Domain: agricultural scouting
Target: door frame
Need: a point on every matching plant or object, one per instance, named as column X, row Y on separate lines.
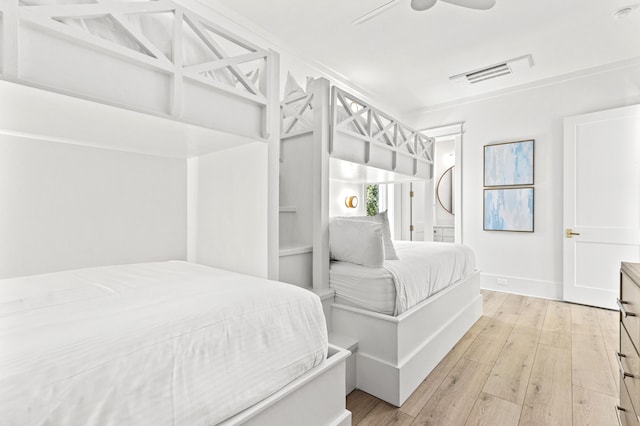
column 451, row 131
column 569, row 292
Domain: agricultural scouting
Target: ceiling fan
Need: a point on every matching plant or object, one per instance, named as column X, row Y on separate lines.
column 420, row 5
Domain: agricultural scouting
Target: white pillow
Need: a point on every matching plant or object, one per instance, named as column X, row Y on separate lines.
column 389, row 249
column 356, row 241
column 382, row 218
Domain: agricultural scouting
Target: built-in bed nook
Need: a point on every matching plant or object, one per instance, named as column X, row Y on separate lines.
column 139, row 146
column 399, row 314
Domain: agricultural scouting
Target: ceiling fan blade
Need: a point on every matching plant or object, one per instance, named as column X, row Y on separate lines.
column 422, row 4
column 473, row 4
column 375, row 12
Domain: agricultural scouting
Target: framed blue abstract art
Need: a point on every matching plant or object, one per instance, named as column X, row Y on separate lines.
column 508, row 209
column 509, row 164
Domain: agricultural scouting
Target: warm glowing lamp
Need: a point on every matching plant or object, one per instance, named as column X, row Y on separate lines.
column 351, row 202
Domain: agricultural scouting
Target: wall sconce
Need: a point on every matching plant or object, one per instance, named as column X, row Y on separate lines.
column 351, row 202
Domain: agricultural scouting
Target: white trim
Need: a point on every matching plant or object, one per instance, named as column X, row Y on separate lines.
column 292, row 251
column 445, row 130
column 396, row 353
column 316, row 398
column 523, row 286
column 271, row 131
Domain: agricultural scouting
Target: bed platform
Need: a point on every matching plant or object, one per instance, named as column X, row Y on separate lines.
column 299, row 401
column 395, row 354
column 352, row 141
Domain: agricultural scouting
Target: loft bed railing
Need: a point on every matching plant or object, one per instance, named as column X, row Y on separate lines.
column 296, row 116
column 353, row 117
column 185, row 53
column 409, row 151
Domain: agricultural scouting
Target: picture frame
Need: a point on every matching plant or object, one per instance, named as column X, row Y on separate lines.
column 508, row 209
column 509, row 163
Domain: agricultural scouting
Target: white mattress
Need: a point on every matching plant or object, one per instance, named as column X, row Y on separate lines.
column 424, row 268
column 150, row 344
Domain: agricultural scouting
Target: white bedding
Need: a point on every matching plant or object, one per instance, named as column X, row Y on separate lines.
column 424, row 268
column 166, row 343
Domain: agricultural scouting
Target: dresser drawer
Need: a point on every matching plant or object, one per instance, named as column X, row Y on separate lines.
column 629, row 364
column 629, row 303
column 626, row 415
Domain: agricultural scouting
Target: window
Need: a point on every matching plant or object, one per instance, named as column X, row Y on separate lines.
column 373, row 200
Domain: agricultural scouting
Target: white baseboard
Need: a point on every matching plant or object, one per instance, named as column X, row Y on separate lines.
column 522, row 286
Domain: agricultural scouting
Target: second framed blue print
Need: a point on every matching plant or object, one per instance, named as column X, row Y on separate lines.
column 509, row 164
column 508, row 209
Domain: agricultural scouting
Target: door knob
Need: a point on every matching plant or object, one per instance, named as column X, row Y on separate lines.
column 569, row 233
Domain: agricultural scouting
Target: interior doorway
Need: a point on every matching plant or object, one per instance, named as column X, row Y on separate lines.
column 446, row 190
column 601, row 203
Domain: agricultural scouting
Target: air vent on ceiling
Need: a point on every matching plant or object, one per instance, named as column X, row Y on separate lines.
column 511, row 66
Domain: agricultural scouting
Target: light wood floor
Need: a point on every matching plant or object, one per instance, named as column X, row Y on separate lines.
column 527, row 361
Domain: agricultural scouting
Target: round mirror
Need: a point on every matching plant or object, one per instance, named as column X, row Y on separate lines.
column 444, row 190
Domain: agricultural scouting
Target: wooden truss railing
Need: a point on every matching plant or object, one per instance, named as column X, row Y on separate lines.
column 295, row 115
column 354, row 117
column 240, row 60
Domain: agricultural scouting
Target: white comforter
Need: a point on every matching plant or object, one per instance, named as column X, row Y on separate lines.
column 425, row 268
column 150, row 344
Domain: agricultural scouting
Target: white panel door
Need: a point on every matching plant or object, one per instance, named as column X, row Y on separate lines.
column 601, row 203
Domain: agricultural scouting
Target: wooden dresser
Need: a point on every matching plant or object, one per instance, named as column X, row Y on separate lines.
column 628, row 358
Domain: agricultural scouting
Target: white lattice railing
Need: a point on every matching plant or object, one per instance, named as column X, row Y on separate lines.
column 296, row 115
column 159, row 35
column 354, row 117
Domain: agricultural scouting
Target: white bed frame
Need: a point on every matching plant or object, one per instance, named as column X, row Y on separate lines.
column 394, row 354
column 311, row 399
column 204, row 115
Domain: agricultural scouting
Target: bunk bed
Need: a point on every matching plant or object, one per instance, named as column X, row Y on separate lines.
column 351, row 141
column 145, row 81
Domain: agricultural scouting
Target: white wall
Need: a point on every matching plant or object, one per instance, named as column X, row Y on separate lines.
column 66, row 206
column 532, row 263
column 228, row 209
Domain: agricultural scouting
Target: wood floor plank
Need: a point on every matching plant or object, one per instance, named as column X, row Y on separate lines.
column 556, row 328
column 593, row 408
column 510, row 375
column 360, row 404
column 428, row 387
column 493, row 411
column 533, row 313
column 384, row 414
column 492, row 302
column 548, row 399
column 455, row 397
column 591, row 368
column 584, row 320
column 612, row 345
column 511, row 309
column 609, row 320
column 487, row 346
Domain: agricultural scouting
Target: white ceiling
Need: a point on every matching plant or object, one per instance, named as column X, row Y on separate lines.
column 405, row 57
